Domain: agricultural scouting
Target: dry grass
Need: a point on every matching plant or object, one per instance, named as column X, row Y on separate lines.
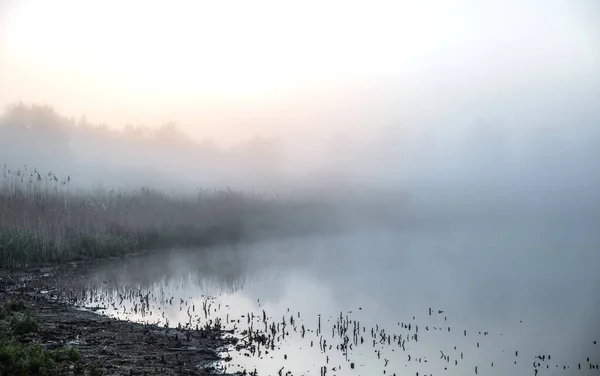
column 43, row 220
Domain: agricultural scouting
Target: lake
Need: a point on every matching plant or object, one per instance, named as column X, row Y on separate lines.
column 516, row 299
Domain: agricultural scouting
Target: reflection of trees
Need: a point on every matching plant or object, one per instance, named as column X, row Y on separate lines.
column 486, row 155
column 220, row 267
column 260, row 268
column 34, row 134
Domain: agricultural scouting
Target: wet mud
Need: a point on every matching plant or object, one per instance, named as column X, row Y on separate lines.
column 114, row 347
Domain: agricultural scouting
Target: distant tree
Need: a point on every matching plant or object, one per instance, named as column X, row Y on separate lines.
column 170, row 135
column 138, row 134
column 34, row 134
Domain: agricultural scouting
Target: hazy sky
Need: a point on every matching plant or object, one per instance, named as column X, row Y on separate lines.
column 228, row 69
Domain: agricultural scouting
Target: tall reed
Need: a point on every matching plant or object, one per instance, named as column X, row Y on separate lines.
column 44, row 220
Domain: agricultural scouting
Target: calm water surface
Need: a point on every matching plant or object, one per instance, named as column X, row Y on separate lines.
column 499, row 298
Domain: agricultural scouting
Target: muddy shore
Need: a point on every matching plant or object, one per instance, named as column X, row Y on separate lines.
column 114, row 347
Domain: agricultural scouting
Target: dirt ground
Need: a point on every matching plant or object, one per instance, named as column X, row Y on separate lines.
column 114, row 347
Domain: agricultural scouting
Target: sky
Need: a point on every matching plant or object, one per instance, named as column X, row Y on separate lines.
column 231, row 69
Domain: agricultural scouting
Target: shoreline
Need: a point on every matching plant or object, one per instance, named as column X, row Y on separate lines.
column 111, row 346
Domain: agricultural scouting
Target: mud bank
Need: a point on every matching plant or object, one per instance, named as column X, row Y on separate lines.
column 113, row 347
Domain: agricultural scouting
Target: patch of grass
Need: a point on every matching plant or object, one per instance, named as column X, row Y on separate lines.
column 68, row 353
column 78, row 368
column 34, row 359
column 22, row 323
column 17, row 358
column 93, row 370
column 5, row 329
column 17, row 305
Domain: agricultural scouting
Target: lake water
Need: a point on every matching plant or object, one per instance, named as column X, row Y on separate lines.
column 522, row 299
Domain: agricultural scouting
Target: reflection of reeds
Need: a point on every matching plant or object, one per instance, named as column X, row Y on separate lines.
column 43, row 220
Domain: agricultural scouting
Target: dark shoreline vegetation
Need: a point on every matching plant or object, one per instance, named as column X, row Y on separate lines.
column 19, row 355
column 43, row 221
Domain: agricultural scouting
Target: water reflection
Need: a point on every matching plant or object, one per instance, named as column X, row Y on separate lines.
column 520, row 300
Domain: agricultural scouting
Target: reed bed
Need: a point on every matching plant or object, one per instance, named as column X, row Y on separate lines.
column 44, row 220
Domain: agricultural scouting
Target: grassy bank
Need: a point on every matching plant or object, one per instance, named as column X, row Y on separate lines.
column 44, row 220
column 21, row 356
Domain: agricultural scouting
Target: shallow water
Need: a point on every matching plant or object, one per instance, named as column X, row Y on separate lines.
column 499, row 297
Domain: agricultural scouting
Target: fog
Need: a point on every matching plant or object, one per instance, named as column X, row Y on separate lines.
column 434, row 113
column 549, row 152
column 440, row 153
column 466, row 98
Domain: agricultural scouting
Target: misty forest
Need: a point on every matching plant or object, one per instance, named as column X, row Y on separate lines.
column 335, row 207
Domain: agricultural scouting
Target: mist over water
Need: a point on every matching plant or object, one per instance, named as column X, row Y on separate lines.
column 529, row 286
